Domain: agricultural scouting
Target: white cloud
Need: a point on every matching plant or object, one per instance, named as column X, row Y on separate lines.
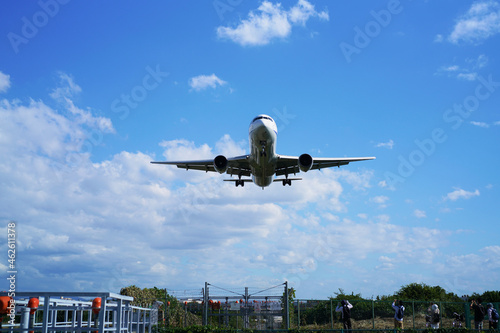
column 480, row 124
column 67, row 89
column 467, row 76
column 4, row 82
column 380, row 200
column 419, row 213
column 388, row 145
column 452, row 68
column 304, row 10
column 461, row 194
column 202, row 82
column 65, row 93
column 481, row 21
column 270, row 22
column 438, row 38
column 104, row 225
column 467, row 71
column 387, row 263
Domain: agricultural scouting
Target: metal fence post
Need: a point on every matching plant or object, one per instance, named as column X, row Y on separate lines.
column 373, row 313
column 25, row 318
column 331, row 311
column 413, row 312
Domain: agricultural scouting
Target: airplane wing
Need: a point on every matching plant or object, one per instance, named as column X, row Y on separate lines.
column 289, row 164
column 238, row 165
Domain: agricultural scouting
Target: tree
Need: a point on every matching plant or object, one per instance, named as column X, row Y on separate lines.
column 423, row 292
column 491, row 296
column 146, row 296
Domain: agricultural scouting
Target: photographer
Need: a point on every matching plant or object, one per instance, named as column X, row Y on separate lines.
column 345, row 307
column 398, row 314
column 479, row 313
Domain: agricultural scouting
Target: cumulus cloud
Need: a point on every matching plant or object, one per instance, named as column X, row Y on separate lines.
column 480, row 22
column 202, row 82
column 88, row 225
column 461, row 194
column 103, row 225
column 4, row 82
column 270, row 22
column 471, row 271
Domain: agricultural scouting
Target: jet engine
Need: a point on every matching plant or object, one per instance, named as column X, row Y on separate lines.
column 220, row 164
column 305, row 162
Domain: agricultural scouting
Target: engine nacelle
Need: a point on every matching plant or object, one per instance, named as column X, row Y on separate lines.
column 305, row 162
column 220, row 164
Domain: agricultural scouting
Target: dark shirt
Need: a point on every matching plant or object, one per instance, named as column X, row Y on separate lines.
column 478, row 312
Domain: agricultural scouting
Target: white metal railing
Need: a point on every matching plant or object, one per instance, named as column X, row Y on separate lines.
column 73, row 312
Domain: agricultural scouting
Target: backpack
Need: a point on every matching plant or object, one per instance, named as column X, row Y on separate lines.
column 435, row 317
column 494, row 314
column 400, row 313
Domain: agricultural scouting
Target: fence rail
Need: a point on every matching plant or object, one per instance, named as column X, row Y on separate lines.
column 76, row 312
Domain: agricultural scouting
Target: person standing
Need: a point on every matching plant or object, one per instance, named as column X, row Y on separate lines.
column 428, row 316
column 399, row 311
column 492, row 316
column 435, row 318
column 345, row 307
column 479, row 313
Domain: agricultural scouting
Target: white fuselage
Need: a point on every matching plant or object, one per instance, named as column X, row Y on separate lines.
column 262, row 136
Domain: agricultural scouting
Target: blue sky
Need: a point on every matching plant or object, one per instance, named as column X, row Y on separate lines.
column 92, row 92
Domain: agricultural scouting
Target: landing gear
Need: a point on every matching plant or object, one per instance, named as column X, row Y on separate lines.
column 263, row 151
column 239, row 181
column 287, row 181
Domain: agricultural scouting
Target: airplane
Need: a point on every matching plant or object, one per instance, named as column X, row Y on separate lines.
column 263, row 163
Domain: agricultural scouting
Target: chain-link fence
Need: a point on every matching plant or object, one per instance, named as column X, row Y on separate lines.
column 379, row 315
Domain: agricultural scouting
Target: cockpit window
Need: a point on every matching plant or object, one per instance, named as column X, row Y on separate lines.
column 263, row 117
